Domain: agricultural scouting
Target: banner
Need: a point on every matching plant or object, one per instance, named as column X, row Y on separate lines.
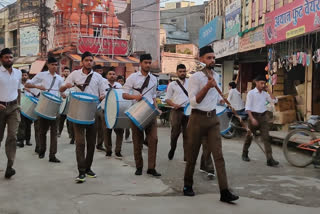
column 252, row 40
column 232, row 19
column 226, row 47
column 29, row 41
column 293, row 19
column 210, row 32
column 103, row 46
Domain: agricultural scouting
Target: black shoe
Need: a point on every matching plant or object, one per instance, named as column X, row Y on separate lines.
column 100, row 148
column 188, row 191
column 28, row 143
column 20, row 144
column 227, row 196
column 90, row 173
column 245, row 157
column 36, row 150
column 54, row 160
column 153, row 172
column 72, row 141
column 171, row 154
column 81, row 178
column 9, row 172
column 119, row 155
column 272, row 162
column 108, row 154
column 41, row 155
column 138, row 171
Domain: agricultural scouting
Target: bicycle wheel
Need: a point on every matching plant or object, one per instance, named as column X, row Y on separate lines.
column 296, row 156
column 229, row 134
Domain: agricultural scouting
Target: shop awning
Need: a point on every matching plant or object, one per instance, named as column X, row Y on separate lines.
column 37, row 66
column 25, row 60
column 75, row 57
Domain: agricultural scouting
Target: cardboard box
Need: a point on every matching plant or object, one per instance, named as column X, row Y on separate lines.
column 280, row 79
column 301, row 109
column 278, row 87
column 284, row 117
column 249, row 86
column 244, row 97
column 277, row 93
column 299, row 100
column 300, row 89
column 285, row 103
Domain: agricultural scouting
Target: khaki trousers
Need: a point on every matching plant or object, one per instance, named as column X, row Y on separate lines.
column 152, row 139
column 99, row 125
column 10, row 117
column 44, row 127
column 24, row 130
column 201, row 125
column 179, row 123
column 108, row 138
column 84, row 134
column 37, row 134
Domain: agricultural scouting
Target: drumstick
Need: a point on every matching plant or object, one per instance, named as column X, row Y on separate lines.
column 147, row 91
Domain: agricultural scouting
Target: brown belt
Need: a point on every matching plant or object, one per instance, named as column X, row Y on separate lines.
column 9, row 103
column 206, row 113
column 258, row 114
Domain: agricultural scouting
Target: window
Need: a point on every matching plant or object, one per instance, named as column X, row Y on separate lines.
column 96, row 32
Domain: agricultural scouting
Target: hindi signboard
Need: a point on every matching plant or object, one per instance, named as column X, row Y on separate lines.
column 252, row 40
column 29, row 41
column 210, row 32
column 232, row 19
column 226, row 47
column 103, row 46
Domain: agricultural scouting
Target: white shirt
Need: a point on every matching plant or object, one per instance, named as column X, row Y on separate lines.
column 45, row 79
column 235, row 99
column 9, row 84
column 34, row 91
column 176, row 94
column 256, row 101
column 197, row 81
column 96, row 86
column 136, row 80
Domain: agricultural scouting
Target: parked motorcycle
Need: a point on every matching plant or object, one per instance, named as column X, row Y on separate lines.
column 312, row 124
column 235, row 125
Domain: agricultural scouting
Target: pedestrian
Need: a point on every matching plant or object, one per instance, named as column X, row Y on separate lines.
column 112, row 84
column 10, row 84
column 234, row 97
column 143, row 82
column 203, row 122
column 48, row 81
column 92, row 83
column 258, row 118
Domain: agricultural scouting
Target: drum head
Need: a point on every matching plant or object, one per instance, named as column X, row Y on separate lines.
column 111, row 108
column 52, row 97
column 85, row 97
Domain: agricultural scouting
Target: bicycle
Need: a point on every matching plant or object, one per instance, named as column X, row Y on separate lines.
column 301, row 148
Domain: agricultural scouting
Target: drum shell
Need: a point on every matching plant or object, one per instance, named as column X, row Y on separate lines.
column 64, row 108
column 121, row 105
column 48, row 108
column 28, row 105
column 224, row 119
column 142, row 113
column 80, row 111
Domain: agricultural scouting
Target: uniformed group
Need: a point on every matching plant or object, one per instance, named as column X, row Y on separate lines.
column 200, row 128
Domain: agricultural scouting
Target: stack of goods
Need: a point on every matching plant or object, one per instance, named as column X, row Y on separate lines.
column 285, row 110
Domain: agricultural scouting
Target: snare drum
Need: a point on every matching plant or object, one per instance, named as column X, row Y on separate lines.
column 115, row 107
column 48, row 106
column 82, row 108
column 28, row 104
column 187, row 110
column 142, row 113
column 224, row 119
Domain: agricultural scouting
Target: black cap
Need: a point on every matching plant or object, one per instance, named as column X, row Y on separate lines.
column 52, row 60
column 66, row 68
column 260, row 78
column 5, row 51
column 86, row 54
column 206, row 49
column 24, row 71
column 97, row 67
column 145, row 57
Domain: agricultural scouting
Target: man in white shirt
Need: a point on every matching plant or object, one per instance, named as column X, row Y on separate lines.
column 112, row 84
column 258, row 120
column 10, row 84
column 203, row 122
column 143, row 82
column 92, row 83
column 48, row 81
column 234, row 97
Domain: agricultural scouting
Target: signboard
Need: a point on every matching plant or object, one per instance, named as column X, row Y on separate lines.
column 103, row 46
column 232, row 19
column 252, row 40
column 210, row 32
column 226, row 47
column 29, row 41
column 293, row 19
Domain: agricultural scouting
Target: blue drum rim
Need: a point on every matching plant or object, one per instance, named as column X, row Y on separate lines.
column 105, row 110
column 225, row 131
column 95, row 98
column 185, row 109
column 27, row 116
column 33, row 99
column 80, row 121
column 151, row 106
column 46, row 94
column 45, row 117
column 220, row 113
column 134, row 120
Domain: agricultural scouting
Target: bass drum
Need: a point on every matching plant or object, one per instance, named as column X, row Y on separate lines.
column 224, row 119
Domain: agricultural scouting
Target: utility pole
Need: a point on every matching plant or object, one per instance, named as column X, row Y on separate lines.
column 43, row 24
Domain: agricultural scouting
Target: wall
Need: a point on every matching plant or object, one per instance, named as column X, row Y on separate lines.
column 146, row 28
column 169, row 62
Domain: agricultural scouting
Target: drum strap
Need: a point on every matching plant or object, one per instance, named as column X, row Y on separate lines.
column 86, row 83
column 111, row 86
column 52, row 83
column 181, row 86
column 144, row 85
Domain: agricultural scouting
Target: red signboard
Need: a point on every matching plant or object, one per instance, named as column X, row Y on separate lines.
column 291, row 20
column 103, row 46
